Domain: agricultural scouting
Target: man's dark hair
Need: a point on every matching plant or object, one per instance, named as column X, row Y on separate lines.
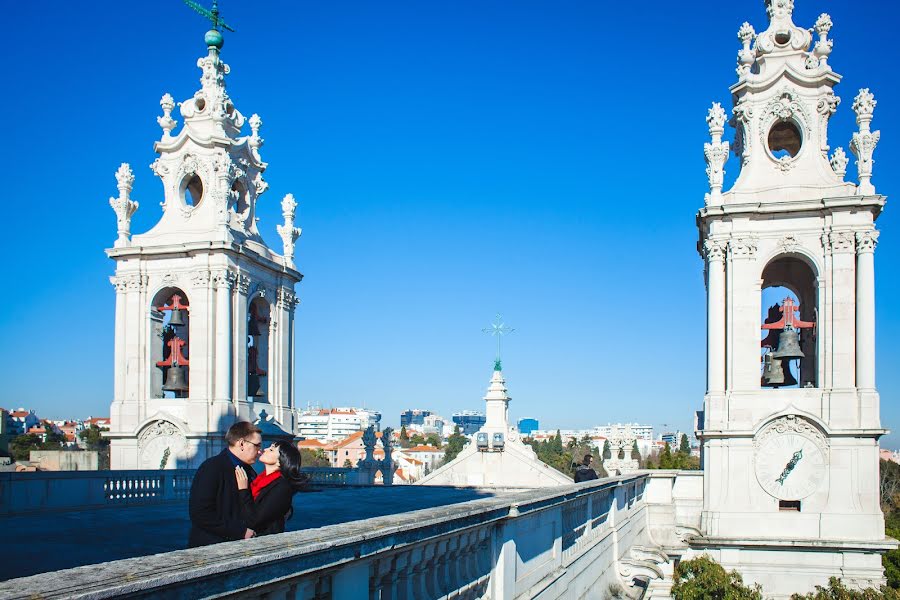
column 587, row 458
column 239, row 431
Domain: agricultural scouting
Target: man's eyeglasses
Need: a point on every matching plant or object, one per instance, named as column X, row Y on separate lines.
column 258, row 446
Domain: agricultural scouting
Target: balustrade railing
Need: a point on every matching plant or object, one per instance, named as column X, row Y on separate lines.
column 556, row 542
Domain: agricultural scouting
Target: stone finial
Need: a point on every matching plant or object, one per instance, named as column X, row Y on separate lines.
column 255, row 123
column 839, row 162
column 745, row 55
column 864, row 141
column 823, row 46
column 716, row 153
column 124, row 206
column 166, row 121
column 288, row 232
column 779, row 9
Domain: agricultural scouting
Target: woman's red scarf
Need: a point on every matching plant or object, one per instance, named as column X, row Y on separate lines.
column 262, row 481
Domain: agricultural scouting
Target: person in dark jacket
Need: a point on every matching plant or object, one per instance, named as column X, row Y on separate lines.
column 584, row 471
column 214, row 505
column 266, row 501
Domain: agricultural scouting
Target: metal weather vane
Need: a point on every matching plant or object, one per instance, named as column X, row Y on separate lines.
column 213, row 15
column 498, row 329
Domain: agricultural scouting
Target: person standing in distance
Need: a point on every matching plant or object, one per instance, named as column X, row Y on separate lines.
column 214, row 505
column 584, row 471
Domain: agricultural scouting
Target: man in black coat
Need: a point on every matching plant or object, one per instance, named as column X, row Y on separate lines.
column 584, row 471
column 214, row 504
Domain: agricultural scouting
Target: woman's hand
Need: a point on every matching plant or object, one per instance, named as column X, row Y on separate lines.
column 241, row 476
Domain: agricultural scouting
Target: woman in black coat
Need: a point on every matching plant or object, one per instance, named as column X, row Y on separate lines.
column 266, row 501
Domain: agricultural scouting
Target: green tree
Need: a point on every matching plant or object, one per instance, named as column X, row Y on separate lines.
column 455, row 444
column 404, row 437
column 702, row 578
column 347, row 464
column 607, row 450
column 21, row 445
column 556, row 446
column 665, row 458
column 836, row 590
column 417, row 439
column 684, row 447
column 433, row 439
column 92, row 438
column 313, row 458
column 890, row 505
column 635, row 452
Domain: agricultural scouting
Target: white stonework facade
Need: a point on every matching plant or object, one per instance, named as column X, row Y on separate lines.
column 496, row 456
column 238, row 324
column 791, row 494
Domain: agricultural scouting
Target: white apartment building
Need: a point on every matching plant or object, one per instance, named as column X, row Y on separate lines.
column 335, row 423
column 610, row 430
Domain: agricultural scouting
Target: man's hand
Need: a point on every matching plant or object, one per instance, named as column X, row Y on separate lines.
column 241, row 476
column 249, row 533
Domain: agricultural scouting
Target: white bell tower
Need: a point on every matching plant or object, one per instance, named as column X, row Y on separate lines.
column 791, row 421
column 204, row 323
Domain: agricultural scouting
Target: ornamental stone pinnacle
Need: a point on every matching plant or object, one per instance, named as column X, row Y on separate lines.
column 166, row 121
column 124, row 206
column 716, row 153
column 288, row 232
column 864, row 141
column 745, row 55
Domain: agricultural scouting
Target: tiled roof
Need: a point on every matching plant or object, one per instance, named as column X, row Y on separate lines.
column 423, row 449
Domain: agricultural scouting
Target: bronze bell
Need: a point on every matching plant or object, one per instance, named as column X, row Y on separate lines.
column 177, row 318
column 776, row 373
column 253, row 327
column 788, row 345
column 253, row 386
column 176, row 379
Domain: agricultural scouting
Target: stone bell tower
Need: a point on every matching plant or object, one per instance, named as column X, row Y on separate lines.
column 204, row 322
column 791, row 421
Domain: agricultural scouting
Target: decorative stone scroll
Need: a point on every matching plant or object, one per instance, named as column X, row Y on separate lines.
column 791, row 424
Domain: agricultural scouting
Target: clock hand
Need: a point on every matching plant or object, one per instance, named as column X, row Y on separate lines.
column 790, row 466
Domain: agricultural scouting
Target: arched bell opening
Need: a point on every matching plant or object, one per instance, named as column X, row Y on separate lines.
column 169, row 353
column 258, row 350
column 788, row 349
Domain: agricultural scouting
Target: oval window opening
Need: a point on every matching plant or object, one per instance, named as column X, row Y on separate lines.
column 193, row 193
column 784, row 139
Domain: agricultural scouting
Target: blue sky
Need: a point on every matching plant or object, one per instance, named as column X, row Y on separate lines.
column 452, row 160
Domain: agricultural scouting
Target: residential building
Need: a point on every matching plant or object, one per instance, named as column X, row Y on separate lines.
column 430, row 456
column 610, row 430
column 21, row 420
column 335, row 423
column 469, row 421
column 528, row 425
column 412, row 417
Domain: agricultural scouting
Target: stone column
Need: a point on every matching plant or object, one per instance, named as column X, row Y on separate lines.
column 842, row 327
column 119, row 347
column 715, row 316
column 239, row 374
column 224, row 281
column 865, row 309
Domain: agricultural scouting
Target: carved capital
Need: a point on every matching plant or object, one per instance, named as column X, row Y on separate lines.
column 224, row 279
column 866, row 241
column 714, row 250
column 788, row 243
column 200, row 278
column 742, row 247
column 243, row 284
column 838, row 242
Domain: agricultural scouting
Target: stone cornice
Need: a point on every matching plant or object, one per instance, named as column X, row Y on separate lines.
column 191, row 248
column 875, row 202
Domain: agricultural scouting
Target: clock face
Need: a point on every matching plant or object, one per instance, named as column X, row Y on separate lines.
column 163, row 452
column 790, row 466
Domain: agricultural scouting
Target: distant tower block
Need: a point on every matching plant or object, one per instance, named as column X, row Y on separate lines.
column 204, row 321
column 791, row 420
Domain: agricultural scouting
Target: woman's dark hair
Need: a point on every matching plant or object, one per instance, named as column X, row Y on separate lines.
column 289, row 459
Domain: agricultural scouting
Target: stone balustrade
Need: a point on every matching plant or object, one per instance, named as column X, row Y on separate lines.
column 59, row 490
column 554, row 542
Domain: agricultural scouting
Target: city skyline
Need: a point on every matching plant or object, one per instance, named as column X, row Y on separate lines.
column 450, row 163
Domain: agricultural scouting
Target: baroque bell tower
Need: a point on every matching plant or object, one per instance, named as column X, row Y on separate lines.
column 791, row 419
column 204, row 323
